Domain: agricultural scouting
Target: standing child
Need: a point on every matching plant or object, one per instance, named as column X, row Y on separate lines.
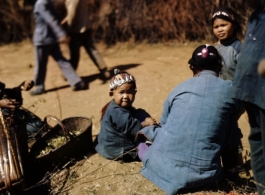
column 120, row 121
column 227, row 29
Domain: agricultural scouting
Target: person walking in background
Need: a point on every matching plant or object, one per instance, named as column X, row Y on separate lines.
column 78, row 29
column 249, row 86
column 46, row 38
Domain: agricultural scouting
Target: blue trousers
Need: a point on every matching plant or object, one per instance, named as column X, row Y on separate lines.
column 257, row 143
column 42, row 53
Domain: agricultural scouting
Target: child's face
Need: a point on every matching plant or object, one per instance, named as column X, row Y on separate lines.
column 124, row 95
column 222, row 29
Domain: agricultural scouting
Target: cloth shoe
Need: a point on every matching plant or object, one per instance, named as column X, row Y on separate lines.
column 80, row 86
column 105, row 75
column 37, row 91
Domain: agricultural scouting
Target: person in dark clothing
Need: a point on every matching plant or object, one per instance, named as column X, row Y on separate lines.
column 78, row 26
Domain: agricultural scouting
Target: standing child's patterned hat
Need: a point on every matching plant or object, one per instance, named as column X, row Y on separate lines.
column 120, row 78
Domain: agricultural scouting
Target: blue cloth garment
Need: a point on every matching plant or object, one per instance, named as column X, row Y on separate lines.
column 250, row 87
column 119, row 127
column 42, row 54
column 187, row 145
column 48, row 29
column 229, row 53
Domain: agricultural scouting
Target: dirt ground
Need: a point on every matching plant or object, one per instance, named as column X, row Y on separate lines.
column 157, row 68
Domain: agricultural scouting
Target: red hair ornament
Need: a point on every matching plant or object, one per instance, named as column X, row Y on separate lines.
column 205, row 53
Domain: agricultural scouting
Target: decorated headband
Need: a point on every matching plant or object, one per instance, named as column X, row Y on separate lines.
column 222, row 13
column 205, row 52
column 120, row 78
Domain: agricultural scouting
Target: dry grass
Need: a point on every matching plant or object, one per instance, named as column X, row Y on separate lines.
column 96, row 175
column 115, row 21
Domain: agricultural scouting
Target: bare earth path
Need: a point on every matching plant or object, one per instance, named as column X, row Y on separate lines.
column 157, row 69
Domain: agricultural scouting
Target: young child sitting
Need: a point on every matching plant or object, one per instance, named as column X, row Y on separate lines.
column 120, row 122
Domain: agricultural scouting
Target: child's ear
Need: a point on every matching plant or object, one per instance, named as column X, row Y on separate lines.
column 111, row 93
column 135, row 91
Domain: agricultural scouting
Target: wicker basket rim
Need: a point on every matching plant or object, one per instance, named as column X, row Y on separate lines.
column 43, row 137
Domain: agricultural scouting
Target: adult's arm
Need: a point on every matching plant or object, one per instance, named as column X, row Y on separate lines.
column 71, row 7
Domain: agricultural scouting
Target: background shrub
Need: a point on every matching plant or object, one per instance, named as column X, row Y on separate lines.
column 122, row 20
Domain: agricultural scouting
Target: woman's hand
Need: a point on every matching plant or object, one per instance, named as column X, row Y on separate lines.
column 149, row 121
column 9, row 103
column 27, row 85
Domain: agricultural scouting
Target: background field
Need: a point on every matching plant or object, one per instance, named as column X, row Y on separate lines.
column 158, row 69
column 151, row 39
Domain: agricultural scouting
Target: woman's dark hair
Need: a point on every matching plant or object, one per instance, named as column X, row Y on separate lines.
column 205, row 57
column 228, row 14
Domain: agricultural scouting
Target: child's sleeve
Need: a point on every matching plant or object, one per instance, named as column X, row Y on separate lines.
column 124, row 122
column 149, row 132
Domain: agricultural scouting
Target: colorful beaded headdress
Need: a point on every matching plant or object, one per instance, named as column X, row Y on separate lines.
column 120, row 78
column 224, row 13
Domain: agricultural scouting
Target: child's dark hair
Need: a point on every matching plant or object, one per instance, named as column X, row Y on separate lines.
column 228, row 14
column 103, row 110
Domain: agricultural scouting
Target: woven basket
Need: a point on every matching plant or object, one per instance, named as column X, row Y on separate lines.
column 75, row 146
column 13, row 154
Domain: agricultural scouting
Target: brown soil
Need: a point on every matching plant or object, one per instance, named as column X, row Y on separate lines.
column 158, row 69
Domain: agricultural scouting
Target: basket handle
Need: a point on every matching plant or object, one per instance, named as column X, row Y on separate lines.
column 65, row 131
